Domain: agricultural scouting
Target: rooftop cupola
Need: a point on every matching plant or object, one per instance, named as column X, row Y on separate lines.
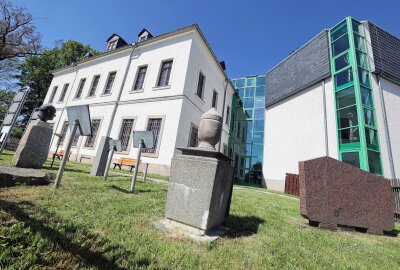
column 114, row 42
column 144, row 35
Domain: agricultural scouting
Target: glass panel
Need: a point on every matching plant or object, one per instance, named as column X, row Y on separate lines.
column 371, row 136
column 357, row 27
column 359, row 43
column 259, row 114
column 362, row 59
column 249, row 137
column 348, row 117
column 342, row 61
column 258, row 137
column 250, row 82
column 340, row 45
column 259, row 102
column 344, row 77
column 241, row 92
column 260, row 91
column 349, row 135
column 351, row 158
column 369, row 117
column 249, row 125
column 239, row 83
column 249, row 113
column 261, row 80
column 374, row 162
column 345, row 98
column 258, row 125
column 257, row 150
column 248, row 103
column 363, row 76
column 366, row 97
column 250, row 92
column 338, row 31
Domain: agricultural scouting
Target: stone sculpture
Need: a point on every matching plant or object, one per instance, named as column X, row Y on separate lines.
column 334, row 193
column 201, row 180
column 34, row 146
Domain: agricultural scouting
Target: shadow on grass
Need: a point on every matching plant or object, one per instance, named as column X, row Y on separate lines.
column 119, row 189
column 68, row 240
column 243, row 226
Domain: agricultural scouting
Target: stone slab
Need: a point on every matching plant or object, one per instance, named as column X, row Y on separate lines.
column 178, row 229
column 198, row 191
column 11, row 176
column 34, row 146
column 100, row 160
column 336, row 193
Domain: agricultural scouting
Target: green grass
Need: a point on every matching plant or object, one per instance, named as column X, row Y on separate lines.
column 93, row 224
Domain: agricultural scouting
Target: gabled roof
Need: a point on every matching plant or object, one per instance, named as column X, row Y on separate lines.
column 119, row 37
column 144, row 30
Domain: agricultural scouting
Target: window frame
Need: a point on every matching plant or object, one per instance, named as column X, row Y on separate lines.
column 97, row 134
column 134, row 118
column 193, row 125
column 91, row 86
column 215, row 106
column 112, row 85
column 137, row 77
column 203, row 86
column 160, row 134
column 53, row 94
column 168, row 85
column 63, row 94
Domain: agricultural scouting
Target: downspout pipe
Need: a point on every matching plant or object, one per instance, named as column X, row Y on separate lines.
column 120, row 91
column 385, row 124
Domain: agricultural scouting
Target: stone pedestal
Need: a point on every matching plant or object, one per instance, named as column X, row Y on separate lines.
column 334, row 193
column 34, row 146
column 100, row 160
column 199, row 188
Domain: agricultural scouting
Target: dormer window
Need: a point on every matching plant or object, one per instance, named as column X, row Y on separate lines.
column 115, row 42
column 144, row 35
column 111, row 45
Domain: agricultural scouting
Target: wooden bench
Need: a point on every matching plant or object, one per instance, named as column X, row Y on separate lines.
column 130, row 162
column 60, row 154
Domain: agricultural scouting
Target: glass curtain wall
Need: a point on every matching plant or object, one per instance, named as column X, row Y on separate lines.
column 356, row 122
column 251, row 91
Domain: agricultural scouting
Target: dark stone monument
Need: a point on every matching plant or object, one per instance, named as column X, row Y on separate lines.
column 335, row 193
column 11, row 176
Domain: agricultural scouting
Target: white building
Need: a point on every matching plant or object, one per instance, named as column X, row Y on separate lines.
column 163, row 84
column 339, row 96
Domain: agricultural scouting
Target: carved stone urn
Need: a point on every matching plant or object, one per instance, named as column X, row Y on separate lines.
column 210, row 129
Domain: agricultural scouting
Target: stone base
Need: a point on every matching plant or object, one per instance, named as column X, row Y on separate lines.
column 199, row 188
column 179, row 229
column 34, row 146
column 11, row 176
column 100, row 160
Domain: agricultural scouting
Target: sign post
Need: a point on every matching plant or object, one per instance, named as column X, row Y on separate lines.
column 142, row 140
column 115, row 145
column 79, row 119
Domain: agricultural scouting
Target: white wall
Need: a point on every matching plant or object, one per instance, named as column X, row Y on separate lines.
column 295, row 131
column 391, row 99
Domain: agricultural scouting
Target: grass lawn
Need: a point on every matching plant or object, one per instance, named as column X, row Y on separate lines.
column 94, row 224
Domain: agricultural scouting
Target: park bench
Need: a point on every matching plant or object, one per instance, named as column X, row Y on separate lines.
column 60, row 154
column 130, row 162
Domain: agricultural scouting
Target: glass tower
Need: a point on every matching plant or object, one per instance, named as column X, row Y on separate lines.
column 248, row 118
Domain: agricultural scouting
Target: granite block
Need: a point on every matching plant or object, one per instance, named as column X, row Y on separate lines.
column 336, row 193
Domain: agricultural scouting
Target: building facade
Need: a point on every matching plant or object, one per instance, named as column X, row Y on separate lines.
column 161, row 84
column 338, row 95
column 248, row 123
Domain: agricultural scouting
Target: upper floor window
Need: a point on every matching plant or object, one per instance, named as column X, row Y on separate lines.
column 93, row 88
column 228, row 111
column 165, row 73
column 63, row 93
column 80, row 88
column 200, row 85
column 141, row 74
column 53, row 94
column 193, row 141
column 110, row 82
column 214, row 99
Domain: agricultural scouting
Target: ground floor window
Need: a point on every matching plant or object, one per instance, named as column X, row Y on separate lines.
column 63, row 132
column 154, row 125
column 95, row 128
column 193, row 141
column 125, row 133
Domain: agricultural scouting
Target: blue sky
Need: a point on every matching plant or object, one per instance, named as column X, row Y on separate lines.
column 251, row 36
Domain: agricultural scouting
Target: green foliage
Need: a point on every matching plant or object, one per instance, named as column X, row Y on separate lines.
column 36, row 70
column 5, row 101
column 17, row 132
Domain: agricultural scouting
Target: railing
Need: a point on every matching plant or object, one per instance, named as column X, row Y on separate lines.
column 292, row 184
column 396, row 195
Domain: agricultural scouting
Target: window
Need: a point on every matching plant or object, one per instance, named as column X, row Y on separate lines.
column 351, row 158
column 214, row 102
column 63, row 93
column 165, row 73
column 53, row 94
column 374, row 161
column 340, row 45
column 200, row 85
column 228, row 111
column 63, row 132
column 110, row 82
column 95, row 128
column 112, row 45
column 193, row 142
column 141, row 74
column 125, row 133
column 95, row 82
column 344, row 77
column 80, row 88
column 225, row 149
column 76, row 139
column 154, row 125
column 345, row 98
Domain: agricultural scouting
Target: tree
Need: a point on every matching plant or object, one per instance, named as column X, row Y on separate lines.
column 18, row 35
column 6, row 98
column 36, row 69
